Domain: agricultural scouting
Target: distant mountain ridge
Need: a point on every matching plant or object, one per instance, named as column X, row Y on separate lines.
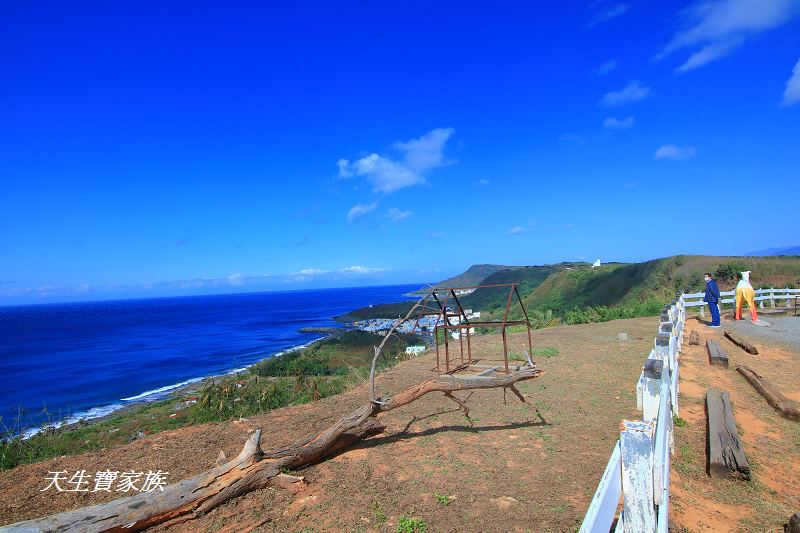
column 474, row 275
column 771, row 252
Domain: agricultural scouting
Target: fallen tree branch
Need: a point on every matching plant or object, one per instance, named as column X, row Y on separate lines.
column 253, row 469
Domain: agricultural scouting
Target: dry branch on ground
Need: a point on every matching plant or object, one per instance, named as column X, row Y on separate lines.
column 253, row 469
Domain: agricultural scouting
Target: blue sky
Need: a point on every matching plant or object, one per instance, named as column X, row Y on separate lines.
column 152, row 149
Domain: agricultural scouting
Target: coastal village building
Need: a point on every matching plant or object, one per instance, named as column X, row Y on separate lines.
column 415, row 350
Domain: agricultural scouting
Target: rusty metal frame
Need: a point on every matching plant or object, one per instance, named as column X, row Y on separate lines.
column 444, row 323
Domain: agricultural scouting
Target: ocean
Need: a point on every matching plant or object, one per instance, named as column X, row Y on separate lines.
column 85, row 360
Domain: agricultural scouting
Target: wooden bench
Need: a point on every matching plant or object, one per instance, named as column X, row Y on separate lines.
column 716, row 355
column 726, row 456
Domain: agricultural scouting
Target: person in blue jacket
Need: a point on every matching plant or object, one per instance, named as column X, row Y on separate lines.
column 712, row 298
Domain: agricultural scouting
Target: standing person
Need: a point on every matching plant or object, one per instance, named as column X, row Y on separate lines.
column 712, row 298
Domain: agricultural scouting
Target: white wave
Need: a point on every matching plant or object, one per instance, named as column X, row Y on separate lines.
column 161, row 390
column 97, row 412
column 94, row 412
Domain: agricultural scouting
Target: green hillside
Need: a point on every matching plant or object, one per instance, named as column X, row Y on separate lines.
column 632, row 289
column 527, row 278
column 647, row 286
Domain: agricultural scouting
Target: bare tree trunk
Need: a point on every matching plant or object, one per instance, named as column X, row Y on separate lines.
column 253, row 469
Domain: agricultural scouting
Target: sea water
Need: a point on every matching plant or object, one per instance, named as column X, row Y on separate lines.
column 72, row 361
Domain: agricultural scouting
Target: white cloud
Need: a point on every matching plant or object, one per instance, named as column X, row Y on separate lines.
column 427, row 152
column 612, row 123
column 387, row 175
column 792, row 93
column 714, row 29
column 607, row 67
column 437, row 235
column 633, row 92
column 361, row 270
column 344, row 172
column 396, row 215
column 482, row 182
column 518, row 230
column 359, row 210
column 312, row 271
column 605, row 11
column 671, row 151
column 316, row 274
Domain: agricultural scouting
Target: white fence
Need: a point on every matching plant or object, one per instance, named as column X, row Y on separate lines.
column 772, row 296
column 638, row 471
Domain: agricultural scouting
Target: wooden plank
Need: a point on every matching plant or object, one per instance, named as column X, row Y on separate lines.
column 603, row 509
column 741, row 343
column 793, row 526
column 694, row 338
column 785, row 407
column 652, row 368
column 726, row 456
column 716, row 355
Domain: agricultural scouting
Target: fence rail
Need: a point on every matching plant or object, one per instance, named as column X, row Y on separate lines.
column 638, row 471
column 762, row 295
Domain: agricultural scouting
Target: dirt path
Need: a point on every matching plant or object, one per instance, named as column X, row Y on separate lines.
column 771, row 443
column 521, row 467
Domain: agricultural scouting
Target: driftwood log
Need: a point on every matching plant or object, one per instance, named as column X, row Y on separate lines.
column 741, row 343
column 726, row 456
column 253, row 469
column 716, row 355
column 785, row 407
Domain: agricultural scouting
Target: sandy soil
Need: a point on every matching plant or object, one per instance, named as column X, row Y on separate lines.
column 771, row 443
column 520, row 467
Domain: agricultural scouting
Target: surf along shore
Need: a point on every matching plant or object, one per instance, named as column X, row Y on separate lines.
column 325, row 366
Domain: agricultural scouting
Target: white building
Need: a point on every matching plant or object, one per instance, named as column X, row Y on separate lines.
column 414, row 350
column 457, row 333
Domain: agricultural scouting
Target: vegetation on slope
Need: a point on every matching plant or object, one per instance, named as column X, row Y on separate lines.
column 324, row 368
column 578, row 293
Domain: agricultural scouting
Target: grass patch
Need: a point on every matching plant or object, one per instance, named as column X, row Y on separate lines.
column 545, row 352
column 442, row 499
column 411, row 525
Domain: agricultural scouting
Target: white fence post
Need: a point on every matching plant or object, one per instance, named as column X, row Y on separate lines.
column 636, row 446
column 639, row 466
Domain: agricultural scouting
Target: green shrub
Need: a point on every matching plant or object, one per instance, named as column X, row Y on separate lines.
column 729, row 272
column 601, row 313
column 411, row 525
